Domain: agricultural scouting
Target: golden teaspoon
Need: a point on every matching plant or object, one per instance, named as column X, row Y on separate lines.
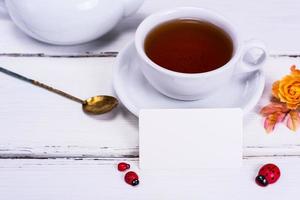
column 94, row 105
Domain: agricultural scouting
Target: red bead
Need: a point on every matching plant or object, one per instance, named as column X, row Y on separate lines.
column 268, row 174
column 131, row 178
column 123, row 166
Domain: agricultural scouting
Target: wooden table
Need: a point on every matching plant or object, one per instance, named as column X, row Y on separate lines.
column 50, row 150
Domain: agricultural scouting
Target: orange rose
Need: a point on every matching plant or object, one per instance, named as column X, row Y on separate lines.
column 287, row 90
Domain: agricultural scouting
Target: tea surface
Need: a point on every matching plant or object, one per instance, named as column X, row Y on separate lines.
column 188, row 46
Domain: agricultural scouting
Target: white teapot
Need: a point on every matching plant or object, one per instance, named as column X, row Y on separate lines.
column 68, row 22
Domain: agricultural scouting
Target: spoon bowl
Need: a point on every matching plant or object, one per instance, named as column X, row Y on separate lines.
column 99, row 104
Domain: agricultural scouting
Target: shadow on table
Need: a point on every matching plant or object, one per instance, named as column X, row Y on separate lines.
column 4, row 14
column 126, row 25
column 120, row 111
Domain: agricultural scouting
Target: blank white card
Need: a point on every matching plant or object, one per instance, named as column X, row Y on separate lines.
column 190, row 138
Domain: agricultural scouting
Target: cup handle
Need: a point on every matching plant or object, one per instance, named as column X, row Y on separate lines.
column 254, row 55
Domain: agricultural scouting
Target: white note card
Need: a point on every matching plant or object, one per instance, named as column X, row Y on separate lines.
column 190, row 138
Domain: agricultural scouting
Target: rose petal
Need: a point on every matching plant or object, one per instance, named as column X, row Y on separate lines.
column 275, row 89
column 294, row 71
column 292, row 106
column 281, row 117
column 273, row 108
column 272, row 119
column 293, row 120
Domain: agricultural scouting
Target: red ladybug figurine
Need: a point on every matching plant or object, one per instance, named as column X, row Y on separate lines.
column 131, row 178
column 268, row 174
column 122, row 166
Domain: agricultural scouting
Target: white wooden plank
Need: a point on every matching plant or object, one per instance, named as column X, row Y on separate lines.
column 273, row 21
column 89, row 179
column 36, row 123
column 282, row 141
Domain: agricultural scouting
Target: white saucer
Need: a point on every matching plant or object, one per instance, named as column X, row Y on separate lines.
column 136, row 93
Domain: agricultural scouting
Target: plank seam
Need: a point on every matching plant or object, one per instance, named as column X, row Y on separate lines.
column 111, row 54
column 129, row 157
column 42, row 55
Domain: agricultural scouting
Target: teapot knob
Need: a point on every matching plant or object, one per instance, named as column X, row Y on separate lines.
column 131, row 6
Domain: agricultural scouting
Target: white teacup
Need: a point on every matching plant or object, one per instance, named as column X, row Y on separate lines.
column 247, row 57
column 68, row 22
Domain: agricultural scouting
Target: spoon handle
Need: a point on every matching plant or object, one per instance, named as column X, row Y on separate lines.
column 39, row 84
